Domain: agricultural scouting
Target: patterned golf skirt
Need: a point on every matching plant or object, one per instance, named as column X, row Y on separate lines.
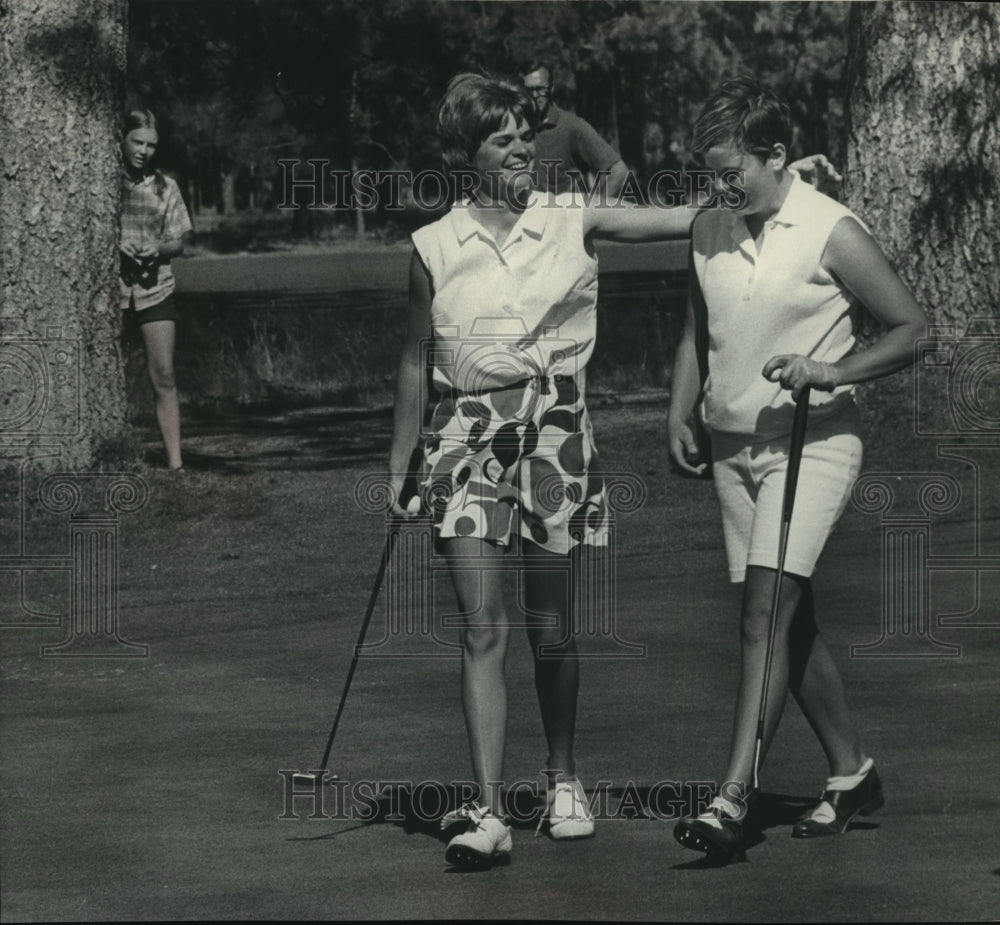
column 516, row 463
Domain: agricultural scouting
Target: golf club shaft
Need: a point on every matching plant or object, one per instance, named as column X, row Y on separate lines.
column 795, row 453
column 787, row 505
column 386, row 553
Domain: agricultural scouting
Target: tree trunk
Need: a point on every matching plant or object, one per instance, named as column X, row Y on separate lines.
column 923, row 170
column 923, row 160
column 61, row 379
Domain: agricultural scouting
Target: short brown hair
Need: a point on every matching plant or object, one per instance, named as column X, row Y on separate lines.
column 746, row 113
column 473, row 107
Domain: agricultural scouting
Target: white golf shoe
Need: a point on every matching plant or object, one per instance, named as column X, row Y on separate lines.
column 485, row 843
column 568, row 811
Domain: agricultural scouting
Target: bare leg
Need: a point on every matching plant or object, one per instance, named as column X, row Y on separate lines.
column 801, row 662
column 755, row 620
column 557, row 669
column 817, row 687
column 484, row 648
column 159, row 338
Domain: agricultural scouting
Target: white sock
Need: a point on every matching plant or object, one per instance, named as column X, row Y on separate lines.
column 824, row 812
column 723, row 805
column 850, row 781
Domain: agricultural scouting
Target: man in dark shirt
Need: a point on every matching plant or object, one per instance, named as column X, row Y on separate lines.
column 568, row 142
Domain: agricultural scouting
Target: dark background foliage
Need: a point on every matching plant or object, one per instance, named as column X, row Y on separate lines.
column 239, row 85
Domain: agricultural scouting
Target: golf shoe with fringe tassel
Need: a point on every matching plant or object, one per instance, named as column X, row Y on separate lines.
column 485, row 843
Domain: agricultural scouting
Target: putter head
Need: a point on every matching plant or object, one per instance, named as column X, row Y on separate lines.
column 311, row 778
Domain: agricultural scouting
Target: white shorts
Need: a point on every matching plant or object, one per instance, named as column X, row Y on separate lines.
column 750, row 482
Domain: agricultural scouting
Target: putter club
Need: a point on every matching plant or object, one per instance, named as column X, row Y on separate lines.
column 413, row 506
column 787, row 504
column 305, row 778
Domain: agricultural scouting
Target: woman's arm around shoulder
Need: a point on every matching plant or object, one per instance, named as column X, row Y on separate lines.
column 638, row 223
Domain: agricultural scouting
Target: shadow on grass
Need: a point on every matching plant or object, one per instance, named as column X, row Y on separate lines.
column 609, row 804
column 621, row 804
column 769, row 811
column 399, row 809
column 303, row 439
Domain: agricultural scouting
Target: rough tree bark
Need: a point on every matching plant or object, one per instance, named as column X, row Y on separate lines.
column 61, row 379
column 923, row 160
column 923, row 169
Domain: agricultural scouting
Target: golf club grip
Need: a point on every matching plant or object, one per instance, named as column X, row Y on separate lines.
column 795, row 453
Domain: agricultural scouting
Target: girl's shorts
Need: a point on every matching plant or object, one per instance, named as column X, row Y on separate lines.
column 516, row 463
column 750, row 482
column 163, row 311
